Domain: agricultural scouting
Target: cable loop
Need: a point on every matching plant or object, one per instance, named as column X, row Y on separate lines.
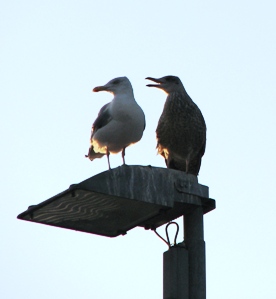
column 168, row 242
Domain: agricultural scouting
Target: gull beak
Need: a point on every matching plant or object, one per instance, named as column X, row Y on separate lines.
column 158, row 81
column 99, row 88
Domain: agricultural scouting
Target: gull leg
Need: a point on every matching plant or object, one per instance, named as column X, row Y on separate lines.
column 107, row 154
column 187, row 166
column 123, row 155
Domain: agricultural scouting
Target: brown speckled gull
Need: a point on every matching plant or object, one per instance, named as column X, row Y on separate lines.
column 181, row 130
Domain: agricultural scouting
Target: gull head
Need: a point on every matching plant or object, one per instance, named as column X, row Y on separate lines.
column 168, row 83
column 116, row 86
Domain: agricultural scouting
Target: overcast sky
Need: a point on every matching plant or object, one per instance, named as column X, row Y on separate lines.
column 52, row 54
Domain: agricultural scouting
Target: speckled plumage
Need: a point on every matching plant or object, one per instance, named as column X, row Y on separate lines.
column 181, row 130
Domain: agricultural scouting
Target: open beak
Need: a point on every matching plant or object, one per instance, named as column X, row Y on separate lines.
column 158, row 81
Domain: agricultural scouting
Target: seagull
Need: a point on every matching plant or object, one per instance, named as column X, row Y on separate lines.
column 181, row 129
column 119, row 124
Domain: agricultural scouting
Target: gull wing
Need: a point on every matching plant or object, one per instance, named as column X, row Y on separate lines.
column 104, row 117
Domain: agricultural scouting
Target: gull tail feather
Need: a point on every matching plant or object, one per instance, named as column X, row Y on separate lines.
column 93, row 155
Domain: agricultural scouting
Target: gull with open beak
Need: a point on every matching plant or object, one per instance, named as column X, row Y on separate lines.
column 181, row 130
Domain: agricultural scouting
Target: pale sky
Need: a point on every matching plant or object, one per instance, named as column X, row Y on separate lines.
column 52, row 54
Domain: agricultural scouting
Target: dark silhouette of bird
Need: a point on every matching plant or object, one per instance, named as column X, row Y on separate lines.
column 119, row 124
column 181, row 130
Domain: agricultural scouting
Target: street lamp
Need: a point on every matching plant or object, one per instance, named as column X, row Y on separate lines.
column 115, row 201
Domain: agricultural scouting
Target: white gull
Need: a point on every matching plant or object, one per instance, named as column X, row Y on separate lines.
column 119, row 124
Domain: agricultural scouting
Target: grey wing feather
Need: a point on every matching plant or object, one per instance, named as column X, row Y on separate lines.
column 103, row 118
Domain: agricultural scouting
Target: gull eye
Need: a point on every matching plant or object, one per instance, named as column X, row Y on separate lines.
column 116, row 81
column 170, row 79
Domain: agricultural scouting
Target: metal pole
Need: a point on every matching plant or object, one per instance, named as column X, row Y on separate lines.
column 194, row 241
column 176, row 273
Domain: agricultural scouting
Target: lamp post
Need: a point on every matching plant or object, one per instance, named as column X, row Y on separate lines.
column 117, row 200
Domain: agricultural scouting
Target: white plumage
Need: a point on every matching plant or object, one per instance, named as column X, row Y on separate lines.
column 119, row 124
